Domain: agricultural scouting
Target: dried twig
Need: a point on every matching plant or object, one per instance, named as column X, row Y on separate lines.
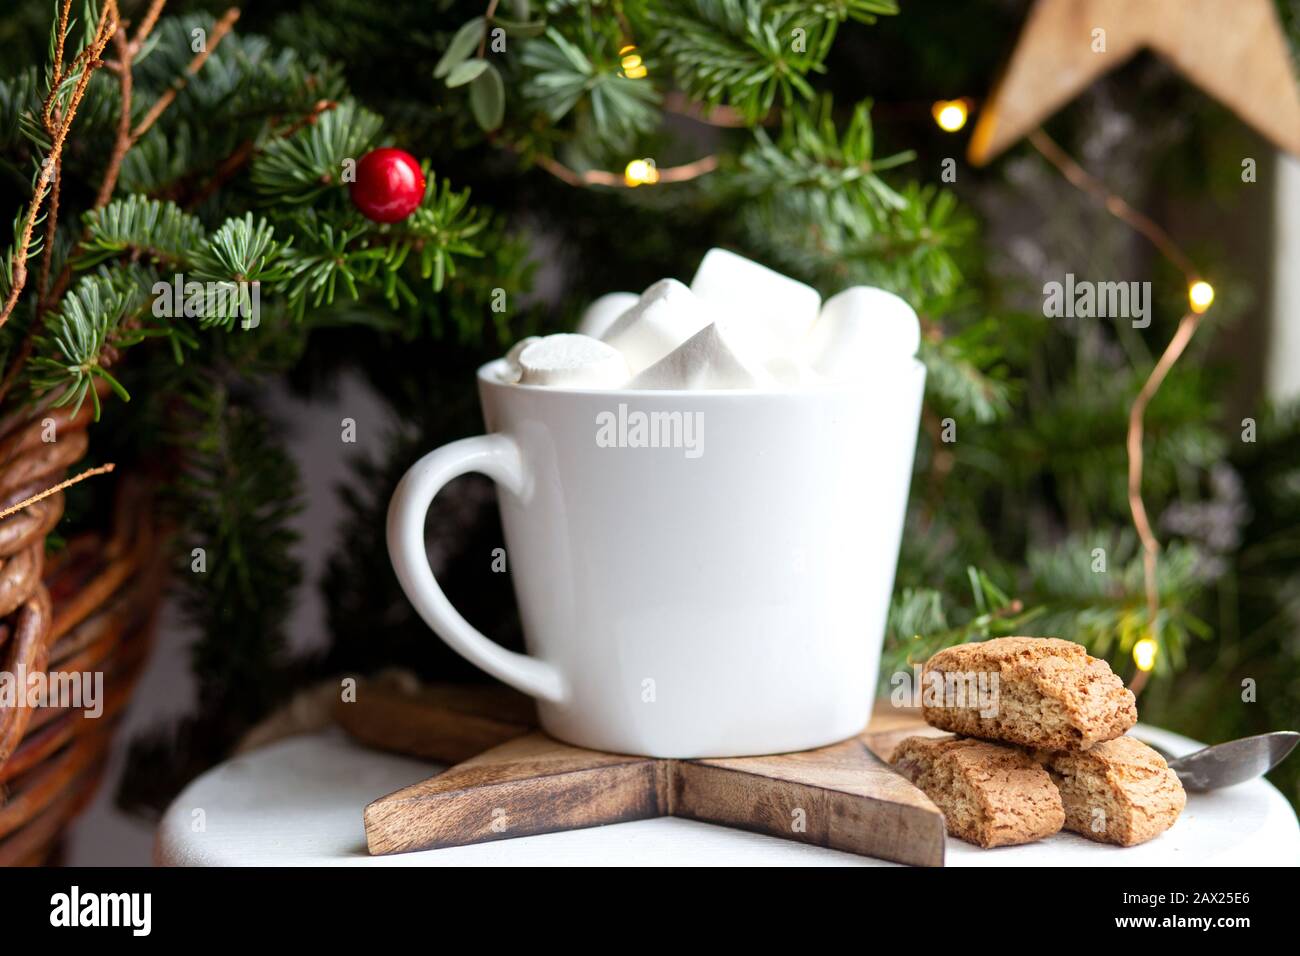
column 487, row 26
column 51, row 228
column 601, row 177
column 109, row 183
column 55, row 489
column 56, row 70
column 126, row 138
column 1150, row 545
column 146, row 25
column 122, row 67
column 121, row 142
column 1187, row 326
column 1115, row 205
column 219, row 31
column 246, row 150
column 104, row 30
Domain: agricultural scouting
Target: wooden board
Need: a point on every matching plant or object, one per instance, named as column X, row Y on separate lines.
column 446, row 723
column 526, row 786
column 842, row 797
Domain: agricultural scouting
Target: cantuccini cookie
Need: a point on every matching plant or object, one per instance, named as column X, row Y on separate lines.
column 990, row 795
column 1045, row 693
column 1120, row 791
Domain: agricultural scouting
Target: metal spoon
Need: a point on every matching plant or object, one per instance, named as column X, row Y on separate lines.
column 1236, row 761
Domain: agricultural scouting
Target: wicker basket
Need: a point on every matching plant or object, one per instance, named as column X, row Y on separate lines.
column 89, row 608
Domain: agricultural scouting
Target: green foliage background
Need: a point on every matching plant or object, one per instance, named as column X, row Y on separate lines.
column 833, row 174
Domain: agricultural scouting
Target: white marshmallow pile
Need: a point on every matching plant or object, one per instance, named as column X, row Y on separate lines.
column 738, row 325
column 600, row 315
column 667, row 315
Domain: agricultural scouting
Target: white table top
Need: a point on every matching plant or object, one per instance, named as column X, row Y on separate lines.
column 299, row 802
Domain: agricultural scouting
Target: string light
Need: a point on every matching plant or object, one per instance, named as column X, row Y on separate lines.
column 1144, row 654
column 641, row 172
column 633, row 65
column 951, row 115
column 1200, row 294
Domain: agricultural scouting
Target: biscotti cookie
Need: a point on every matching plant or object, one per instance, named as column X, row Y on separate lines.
column 1120, row 791
column 1045, row 693
column 990, row 795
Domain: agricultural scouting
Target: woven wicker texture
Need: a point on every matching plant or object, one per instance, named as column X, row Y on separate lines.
column 89, row 609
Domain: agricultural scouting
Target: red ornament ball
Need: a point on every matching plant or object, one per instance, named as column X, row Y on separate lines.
column 389, row 185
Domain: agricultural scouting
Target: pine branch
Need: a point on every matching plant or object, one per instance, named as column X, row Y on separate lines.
column 219, row 30
column 965, row 374
column 442, row 228
column 299, row 168
column 125, row 138
column 242, row 250
column 19, row 101
column 245, row 83
column 249, row 149
column 815, row 202
column 355, row 254
column 568, row 74
column 65, row 97
column 750, row 54
column 818, row 173
column 919, row 623
column 70, row 354
column 236, row 497
column 128, row 135
column 326, row 257
column 149, row 228
column 240, row 256
column 1093, row 589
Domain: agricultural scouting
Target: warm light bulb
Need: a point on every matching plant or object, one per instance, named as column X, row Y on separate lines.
column 641, row 172
column 1200, row 294
column 950, row 114
column 1144, row 654
column 633, row 65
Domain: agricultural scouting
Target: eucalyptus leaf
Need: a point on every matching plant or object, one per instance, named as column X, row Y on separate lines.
column 467, row 72
column 487, row 98
column 461, row 46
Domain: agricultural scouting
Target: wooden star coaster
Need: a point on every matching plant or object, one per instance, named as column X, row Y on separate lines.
column 1235, row 50
column 843, row 797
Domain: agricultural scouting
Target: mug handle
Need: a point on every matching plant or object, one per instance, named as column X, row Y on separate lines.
column 498, row 457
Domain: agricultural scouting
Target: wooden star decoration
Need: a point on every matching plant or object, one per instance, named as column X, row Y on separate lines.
column 1234, row 50
column 510, row 780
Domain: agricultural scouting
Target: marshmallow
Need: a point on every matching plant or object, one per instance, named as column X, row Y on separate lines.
column 859, row 329
column 600, row 315
column 714, row 357
column 774, row 308
column 793, row 372
column 573, row 360
column 513, row 372
column 666, row 315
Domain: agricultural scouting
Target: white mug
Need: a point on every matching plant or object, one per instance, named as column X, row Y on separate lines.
column 722, row 594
